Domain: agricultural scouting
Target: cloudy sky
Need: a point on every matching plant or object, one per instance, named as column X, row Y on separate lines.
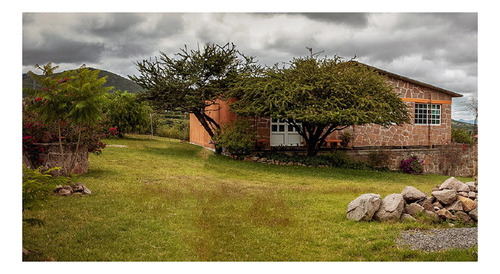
column 436, row 48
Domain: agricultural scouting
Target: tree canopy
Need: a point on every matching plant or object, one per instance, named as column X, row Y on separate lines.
column 192, row 80
column 319, row 96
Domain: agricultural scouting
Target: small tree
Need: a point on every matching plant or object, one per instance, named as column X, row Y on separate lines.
column 192, row 80
column 75, row 97
column 320, row 96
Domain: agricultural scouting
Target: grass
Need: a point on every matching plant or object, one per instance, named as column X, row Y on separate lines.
column 162, row 200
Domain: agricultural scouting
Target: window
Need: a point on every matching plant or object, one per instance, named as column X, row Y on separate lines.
column 427, row 114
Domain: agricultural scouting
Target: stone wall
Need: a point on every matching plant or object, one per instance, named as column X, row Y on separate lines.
column 408, row 134
column 453, row 160
column 52, row 158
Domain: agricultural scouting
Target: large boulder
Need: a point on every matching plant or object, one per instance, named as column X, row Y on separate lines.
column 411, row 194
column 391, row 208
column 467, row 203
column 414, row 209
column 445, row 214
column 455, row 184
column 363, row 207
column 473, row 213
column 445, row 196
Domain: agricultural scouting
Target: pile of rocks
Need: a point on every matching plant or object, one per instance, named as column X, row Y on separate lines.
column 452, row 200
column 77, row 189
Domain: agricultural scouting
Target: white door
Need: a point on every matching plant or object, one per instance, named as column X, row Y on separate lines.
column 283, row 134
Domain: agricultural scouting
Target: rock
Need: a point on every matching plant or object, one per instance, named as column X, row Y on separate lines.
column 462, row 216
column 443, row 213
column 411, row 194
column 455, row 184
column 446, row 196
column 391, row 208
column 363, row 207
column 467, row 203
column 64, row 192
column 472, row 186
column 427, row 203
column 78, row 187
column 472, row 195
column 407, row 217
column 86, row 191
column 431, row 214
column 463, row 194
column 473, row 214
column 437, row 205
column 456, row 206
column 414, row 209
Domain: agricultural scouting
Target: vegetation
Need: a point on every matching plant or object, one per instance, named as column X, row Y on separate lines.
column 320, row 96
column 461, row 136
column 74, row 98
column 37, row 187
column 412, row 166
column 159, row 200
column 124, row 111
column 192, row 81
column 237, row 138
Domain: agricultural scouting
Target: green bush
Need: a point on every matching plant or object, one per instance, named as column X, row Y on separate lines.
column 37, row 187
column 333, row 159
column 124, row 111
column 461, row 135
column 237, row 138
column 176, row 130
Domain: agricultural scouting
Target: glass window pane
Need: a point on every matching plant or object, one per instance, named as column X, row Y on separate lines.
column 274, row 128
column 282, row 128
column 290, row 128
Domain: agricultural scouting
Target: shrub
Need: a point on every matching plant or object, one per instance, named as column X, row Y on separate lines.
column 176, row 130
column 127, row 113
column 461, row 135
column 412, row 166
column 37, row 186
column 237, row 138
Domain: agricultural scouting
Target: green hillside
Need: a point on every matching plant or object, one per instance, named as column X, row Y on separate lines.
column 115, row 80
column 461, row 125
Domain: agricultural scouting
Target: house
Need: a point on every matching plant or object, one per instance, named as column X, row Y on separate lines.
column 429, row 106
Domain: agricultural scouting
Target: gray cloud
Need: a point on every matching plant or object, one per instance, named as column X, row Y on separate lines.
column 61, row 49
column 437, row 48
column 350, row 19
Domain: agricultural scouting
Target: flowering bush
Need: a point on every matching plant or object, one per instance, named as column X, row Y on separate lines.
column 68, row 109
column 412, row 166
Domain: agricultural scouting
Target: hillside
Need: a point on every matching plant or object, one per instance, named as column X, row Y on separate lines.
column 462, row 125
column 115, row 80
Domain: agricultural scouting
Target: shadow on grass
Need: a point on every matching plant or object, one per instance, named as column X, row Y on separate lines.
column 100, row 173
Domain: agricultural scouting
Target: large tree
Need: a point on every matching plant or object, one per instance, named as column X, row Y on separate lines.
column 192, row 80
column 320, row 96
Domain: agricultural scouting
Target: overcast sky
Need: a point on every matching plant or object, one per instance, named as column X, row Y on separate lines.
column 436, row 48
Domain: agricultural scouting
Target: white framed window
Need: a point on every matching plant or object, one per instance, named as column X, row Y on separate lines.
column 427, row 114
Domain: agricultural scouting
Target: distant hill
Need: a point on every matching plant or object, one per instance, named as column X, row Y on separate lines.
column 115, row 80
column 462, row 125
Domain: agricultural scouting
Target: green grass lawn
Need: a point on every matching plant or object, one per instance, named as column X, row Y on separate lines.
column 162, row 200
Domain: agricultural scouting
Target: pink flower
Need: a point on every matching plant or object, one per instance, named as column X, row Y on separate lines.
column 38, row 99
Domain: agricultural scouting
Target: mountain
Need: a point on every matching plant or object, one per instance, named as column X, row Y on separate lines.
column 462, row 125
column 115, row 80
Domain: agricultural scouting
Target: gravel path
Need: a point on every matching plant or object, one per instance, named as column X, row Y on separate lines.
column 439, row 239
